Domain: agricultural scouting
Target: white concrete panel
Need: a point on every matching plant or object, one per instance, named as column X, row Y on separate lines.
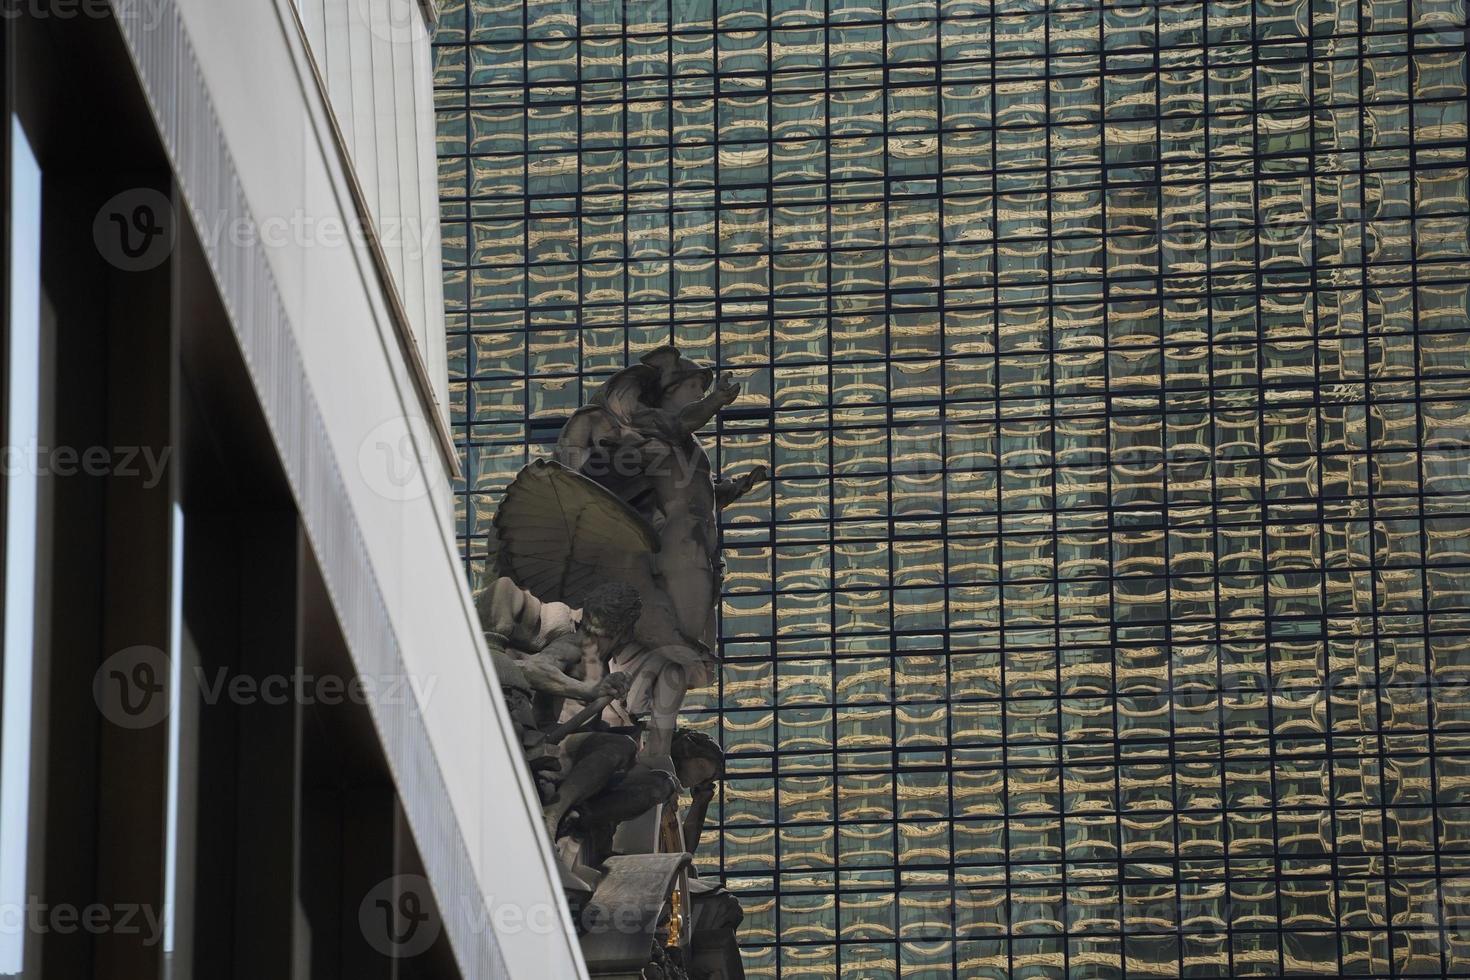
column 365, row 396
column 387, row 43
column 386, row 209
column 403, row 15
column 335, row 57
column 364, row 96
column 314, row 17
column 435, row 352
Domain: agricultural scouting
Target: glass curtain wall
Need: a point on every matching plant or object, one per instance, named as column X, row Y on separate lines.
column 1109, row 612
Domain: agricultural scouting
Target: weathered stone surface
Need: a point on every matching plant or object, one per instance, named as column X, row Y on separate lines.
column 714, row 951
column 623, row 919
column 604, row 617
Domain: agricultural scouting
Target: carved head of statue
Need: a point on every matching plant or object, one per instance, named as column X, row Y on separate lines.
column 681, row 381
column 697, row 758
column 610, row 612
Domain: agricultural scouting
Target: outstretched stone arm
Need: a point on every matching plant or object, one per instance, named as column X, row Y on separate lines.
column 694, row 819
column 729, row 491
column 697, row 415
column 546, row 673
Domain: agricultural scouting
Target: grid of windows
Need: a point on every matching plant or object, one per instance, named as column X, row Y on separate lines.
column 1109, row 612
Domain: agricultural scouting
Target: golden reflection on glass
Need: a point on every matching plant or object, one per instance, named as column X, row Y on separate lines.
column 1109, row 611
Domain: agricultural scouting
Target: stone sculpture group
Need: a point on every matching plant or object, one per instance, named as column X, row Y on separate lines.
column 601, row 618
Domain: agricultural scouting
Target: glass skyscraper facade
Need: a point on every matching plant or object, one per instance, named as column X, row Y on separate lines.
column 1109, row 612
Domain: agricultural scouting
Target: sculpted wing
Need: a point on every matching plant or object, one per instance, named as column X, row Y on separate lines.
column 561, row 534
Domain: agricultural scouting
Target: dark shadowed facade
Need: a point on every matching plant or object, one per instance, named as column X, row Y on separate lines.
column 1109, row 611
column 248, row 723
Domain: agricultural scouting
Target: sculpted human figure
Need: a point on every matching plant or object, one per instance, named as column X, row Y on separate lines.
column 520, row 701
column 698, row 762
column 605, row 618
column 560, row 653
column 638, row 438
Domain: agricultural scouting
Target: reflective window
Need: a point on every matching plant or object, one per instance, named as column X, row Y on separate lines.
column 1109, row 612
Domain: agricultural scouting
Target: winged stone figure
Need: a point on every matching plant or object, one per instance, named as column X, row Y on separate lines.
column 637, row 437
column 561, row 537
column 632, row 498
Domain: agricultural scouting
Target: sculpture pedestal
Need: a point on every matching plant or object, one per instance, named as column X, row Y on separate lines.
column 623, row 918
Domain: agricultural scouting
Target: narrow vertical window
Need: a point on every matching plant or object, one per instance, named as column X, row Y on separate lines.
column 22, row 436
column 175, row 966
